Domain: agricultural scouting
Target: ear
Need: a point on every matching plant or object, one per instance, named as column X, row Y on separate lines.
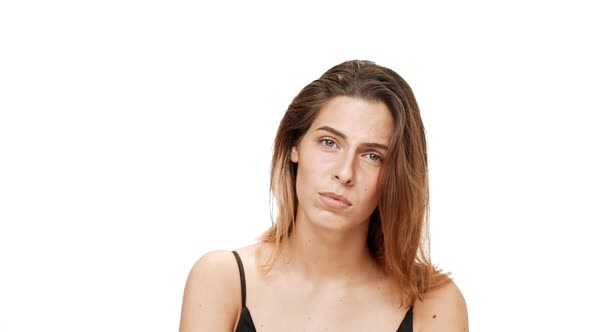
column 295, row 154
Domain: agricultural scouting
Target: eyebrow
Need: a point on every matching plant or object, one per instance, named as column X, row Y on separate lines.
column 341, row 135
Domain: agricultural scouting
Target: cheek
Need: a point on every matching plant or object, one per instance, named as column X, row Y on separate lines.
column 315, row 167
column 306, row 176
column 370, row 188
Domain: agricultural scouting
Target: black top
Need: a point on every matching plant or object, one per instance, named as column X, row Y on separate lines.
column 246, row 324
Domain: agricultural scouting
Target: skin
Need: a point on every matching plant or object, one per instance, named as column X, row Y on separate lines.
column 325, row 275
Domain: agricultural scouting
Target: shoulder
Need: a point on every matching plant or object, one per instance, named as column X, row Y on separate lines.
column 212, row 296
column 442, row 309
column 215, row 267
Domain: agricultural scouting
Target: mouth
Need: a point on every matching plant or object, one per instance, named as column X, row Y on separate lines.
column 334, row 200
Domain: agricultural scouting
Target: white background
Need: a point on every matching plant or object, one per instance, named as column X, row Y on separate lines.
column 136, row 135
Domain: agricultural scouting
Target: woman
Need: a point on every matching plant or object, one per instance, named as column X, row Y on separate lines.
column 348, row 248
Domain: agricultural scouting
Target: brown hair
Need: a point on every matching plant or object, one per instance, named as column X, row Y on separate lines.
column 398, row 235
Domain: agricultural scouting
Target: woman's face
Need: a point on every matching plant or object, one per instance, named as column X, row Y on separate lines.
column 339, row 159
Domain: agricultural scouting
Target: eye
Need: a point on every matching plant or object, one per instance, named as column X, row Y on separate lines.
column 330, row 144
column 374, row 157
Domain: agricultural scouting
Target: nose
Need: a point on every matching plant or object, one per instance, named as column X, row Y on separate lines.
column 345, row 170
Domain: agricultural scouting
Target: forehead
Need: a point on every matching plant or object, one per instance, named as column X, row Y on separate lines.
column 358, row 119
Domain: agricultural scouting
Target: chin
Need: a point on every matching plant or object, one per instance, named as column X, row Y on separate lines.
column 332, row 221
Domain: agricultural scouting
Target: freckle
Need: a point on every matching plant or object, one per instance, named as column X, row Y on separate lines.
column 433, row 316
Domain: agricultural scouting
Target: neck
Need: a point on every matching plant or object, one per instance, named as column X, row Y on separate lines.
column 327, row 255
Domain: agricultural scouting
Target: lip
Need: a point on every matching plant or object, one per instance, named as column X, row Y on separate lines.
column 334, row 200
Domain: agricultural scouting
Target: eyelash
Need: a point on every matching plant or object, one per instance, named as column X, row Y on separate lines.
column 323, row 142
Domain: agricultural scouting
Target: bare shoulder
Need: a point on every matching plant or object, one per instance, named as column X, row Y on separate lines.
column 212, row 298
column 442, row 309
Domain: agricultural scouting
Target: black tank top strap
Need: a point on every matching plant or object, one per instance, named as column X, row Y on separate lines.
column 407, row 323
column 242, row 278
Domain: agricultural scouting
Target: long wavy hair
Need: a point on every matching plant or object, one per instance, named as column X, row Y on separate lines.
column 398, row 236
